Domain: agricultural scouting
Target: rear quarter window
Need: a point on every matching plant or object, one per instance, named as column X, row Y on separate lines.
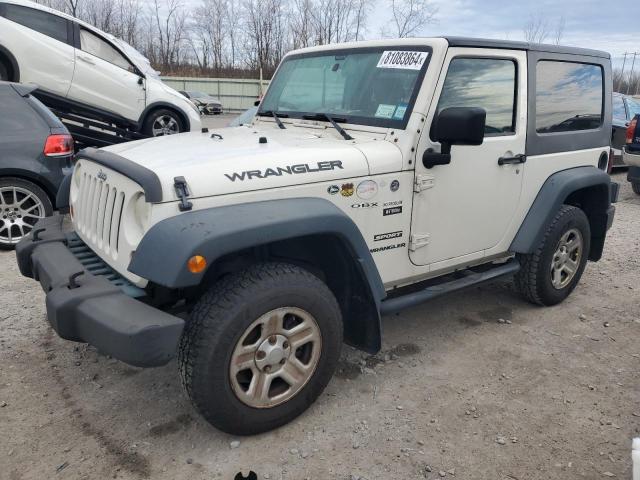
column 43, row 22
column 17, row 118
column 569, row 96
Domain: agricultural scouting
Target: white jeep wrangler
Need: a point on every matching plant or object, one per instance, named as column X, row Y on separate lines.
column 375, row 176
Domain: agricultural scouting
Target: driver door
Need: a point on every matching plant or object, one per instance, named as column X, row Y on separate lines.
column 462, row 209
column 105, row 79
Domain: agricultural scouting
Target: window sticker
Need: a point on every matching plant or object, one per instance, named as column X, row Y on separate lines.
column 402, row 59
column 400, row 111
column 385, row 111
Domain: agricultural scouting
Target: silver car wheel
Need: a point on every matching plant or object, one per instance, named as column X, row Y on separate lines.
column 165, row 125
column 566, row 259
column 275, row 357
column 20, row 209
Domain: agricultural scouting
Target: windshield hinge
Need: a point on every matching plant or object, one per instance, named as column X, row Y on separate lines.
column 418, row 240
column 423, row 182
column 182, row 191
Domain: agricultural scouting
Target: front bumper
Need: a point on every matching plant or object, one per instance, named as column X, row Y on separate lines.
column 87, row 307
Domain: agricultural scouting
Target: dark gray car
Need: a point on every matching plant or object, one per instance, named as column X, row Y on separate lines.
column 624, row 109
column 35, row 152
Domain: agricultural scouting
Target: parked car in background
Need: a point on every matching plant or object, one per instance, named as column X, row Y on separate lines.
column 83, row 70
column 631, row 153
column 624, row 109
column 36, row 151
column 207, row 104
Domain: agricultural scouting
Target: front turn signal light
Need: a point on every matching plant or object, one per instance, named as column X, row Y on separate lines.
column 197, row 264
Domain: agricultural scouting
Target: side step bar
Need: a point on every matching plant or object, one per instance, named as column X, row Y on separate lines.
column 470, row 278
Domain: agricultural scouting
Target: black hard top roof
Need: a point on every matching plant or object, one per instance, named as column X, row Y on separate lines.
column 511, row 45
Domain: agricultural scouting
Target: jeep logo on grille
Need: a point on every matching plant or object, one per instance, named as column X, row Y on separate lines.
column 102, row 176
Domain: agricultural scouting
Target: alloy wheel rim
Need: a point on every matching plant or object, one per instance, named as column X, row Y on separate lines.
column 20, row 209
column 275, row 357
column 566, row 259
column 164, row 125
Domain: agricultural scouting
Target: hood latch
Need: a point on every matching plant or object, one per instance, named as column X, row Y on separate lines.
column 182, row 191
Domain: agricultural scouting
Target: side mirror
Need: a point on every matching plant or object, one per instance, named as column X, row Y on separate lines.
column 256, row 103
column 455, row 126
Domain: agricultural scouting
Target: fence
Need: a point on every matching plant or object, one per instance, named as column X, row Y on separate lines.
column 235, row 94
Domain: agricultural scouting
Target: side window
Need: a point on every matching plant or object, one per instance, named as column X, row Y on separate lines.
column 43, row 22
column 488, row 83
column 618, row 108
column 568, row 96
column 94, row 45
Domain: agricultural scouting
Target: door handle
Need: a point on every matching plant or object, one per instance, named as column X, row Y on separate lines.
column 86, row 60
column 520, row 158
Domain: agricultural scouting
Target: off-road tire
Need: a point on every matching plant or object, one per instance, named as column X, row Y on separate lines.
column 23, row 185
column 636, row 187
column 148, row 124
column 219, row 320
column 534, row 278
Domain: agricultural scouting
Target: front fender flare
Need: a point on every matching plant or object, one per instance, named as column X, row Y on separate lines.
column 161, row 256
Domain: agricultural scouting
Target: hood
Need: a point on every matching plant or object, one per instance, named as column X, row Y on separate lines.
column 246, row 158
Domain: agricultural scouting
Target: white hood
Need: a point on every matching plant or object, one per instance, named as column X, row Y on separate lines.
column 238, row 162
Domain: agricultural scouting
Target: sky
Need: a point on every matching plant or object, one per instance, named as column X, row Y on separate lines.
column 612, row 25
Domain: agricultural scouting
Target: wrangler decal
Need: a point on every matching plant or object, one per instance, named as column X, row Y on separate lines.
column 289, row 170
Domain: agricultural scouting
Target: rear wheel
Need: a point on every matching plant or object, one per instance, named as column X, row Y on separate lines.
column 636, row 187
column 162, row 122
column 552, row 271
column 22, row 204
column 260, row 347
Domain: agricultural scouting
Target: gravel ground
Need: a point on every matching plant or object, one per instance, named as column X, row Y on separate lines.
column 476, row 386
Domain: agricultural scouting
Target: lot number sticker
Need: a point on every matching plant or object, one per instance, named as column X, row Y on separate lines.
column 403, row 59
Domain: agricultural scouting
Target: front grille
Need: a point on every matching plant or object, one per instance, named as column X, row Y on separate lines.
column 98, row 212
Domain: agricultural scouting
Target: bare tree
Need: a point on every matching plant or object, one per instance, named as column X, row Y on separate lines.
column 264, row 22
column 409, row 17
column 536, row 30
column 170, row 22
column 559, row 32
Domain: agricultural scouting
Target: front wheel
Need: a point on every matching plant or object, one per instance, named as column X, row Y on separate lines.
column 636, row 187
column 22, row 204
column 552, row 271
column 260, row 347
column 162, row 122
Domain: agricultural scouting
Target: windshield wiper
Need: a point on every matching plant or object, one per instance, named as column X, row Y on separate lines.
column 333, row 120
column 275, row 115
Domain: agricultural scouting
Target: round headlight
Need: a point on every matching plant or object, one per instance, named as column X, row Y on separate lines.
column 142, row 211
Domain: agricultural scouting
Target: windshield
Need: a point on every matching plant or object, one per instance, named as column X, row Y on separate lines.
column 370, row 86
column 140, row 60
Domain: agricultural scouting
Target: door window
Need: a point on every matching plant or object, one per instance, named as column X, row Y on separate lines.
column 43, row 22
column 568, row 96
column 94, row 45
column 488, row 83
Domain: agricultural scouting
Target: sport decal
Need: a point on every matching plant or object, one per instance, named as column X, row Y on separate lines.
column 333, row 189
column 386, row 236
column 391, row 211
column 403, row 59
column 289, row 170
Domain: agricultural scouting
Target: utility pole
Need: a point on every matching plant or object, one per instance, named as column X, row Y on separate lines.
column 624, row 62
column 633, row 64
